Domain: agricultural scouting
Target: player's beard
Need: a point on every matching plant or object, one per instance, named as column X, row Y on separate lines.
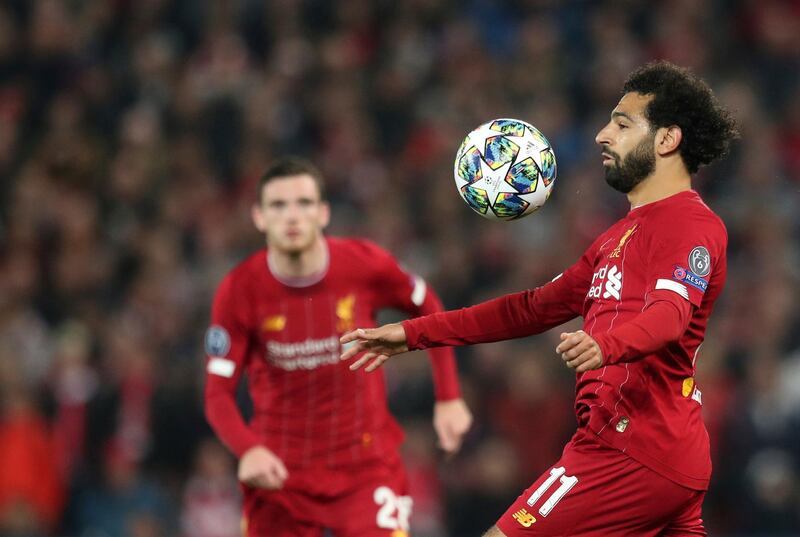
column 280, row 242
column 626, row 173
column 297, row 247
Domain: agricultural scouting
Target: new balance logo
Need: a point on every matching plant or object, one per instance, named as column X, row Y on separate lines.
column 524, row 518
column 609, row 283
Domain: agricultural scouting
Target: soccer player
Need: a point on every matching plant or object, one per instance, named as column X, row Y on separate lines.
column 639, row 462
column 321, row 451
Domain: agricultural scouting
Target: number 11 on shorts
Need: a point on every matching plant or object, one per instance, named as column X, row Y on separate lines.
column 566, row 483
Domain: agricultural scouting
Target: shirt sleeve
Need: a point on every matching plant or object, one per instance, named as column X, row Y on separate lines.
column 511, row 316
column 683, row 256
column 227, row 347
column 663, row 321
column 412, row 295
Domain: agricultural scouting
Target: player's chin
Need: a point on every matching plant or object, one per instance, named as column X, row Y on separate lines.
column 294, row 244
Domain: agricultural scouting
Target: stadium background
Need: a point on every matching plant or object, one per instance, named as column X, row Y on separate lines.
column 131, row 136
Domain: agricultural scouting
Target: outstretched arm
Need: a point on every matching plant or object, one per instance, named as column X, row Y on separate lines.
column 507, row 317
column 510, row 316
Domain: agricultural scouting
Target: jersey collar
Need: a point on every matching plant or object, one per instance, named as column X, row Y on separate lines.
column 302, row 281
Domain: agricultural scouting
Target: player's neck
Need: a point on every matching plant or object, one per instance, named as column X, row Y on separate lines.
column 662, row 184
column 301, row 265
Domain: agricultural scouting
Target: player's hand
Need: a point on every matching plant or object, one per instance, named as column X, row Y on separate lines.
column 580, row 351
column 377, row 344
column 261, row 468
column 451, row 420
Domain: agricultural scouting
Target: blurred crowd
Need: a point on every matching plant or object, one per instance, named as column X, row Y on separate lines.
column 132, row 133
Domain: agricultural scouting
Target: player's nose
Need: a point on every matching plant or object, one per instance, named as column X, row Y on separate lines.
column 292, row 212
column 603, row 137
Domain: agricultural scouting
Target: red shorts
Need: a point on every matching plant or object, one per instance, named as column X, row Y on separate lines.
column 364, row 502
column 596, row 490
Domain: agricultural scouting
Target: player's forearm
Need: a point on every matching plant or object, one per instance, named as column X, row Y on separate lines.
column 226, row 420
column 658, row 325
column 507, row 317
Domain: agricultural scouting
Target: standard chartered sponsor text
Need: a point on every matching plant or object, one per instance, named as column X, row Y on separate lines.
column 308, row 354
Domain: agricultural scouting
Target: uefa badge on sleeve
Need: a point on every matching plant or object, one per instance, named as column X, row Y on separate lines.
column 218, row 342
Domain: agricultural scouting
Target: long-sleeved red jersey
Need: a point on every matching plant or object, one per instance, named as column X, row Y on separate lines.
column 645, row 289
column 309, row 408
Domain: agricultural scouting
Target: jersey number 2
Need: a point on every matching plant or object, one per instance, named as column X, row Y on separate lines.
column 566, row 483
column 395, row 510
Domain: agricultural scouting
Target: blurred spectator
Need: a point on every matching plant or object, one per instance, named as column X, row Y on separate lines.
column 425, row 485
column 31, row 488
column 122, row 503
column 211, row 499
column 72, row 384
column 485, row 484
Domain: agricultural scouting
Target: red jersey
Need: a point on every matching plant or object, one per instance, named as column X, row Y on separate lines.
column 309, row 408
column 645, row 289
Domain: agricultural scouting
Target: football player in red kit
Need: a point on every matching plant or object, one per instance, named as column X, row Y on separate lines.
column 321, row 451
column 639, row 462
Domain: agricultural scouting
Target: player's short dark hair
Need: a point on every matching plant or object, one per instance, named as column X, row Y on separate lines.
column 681, row 98
column 289, row 167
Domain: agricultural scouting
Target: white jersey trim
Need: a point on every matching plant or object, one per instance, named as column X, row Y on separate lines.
column 419, row 292
column 676, row 287
column 221, row 366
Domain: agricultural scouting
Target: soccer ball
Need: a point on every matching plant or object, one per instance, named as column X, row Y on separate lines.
column 505, row 169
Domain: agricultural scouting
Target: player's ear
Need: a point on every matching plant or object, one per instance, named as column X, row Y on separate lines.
column 668, row 139
column 258, row 218
column 324, row 214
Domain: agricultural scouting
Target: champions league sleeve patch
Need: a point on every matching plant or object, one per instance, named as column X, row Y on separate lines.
column 700, row 261
column 689, row 277
column 218, row 342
